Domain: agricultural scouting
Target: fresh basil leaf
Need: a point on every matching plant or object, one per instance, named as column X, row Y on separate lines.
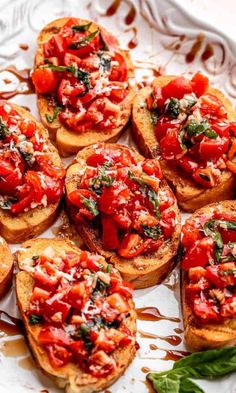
column 152, row 232
column 181, row 136
column 188, row 386
column 164, row 384
column 83, row 41
column 4, row 130
column 173, row 108
column 35, row 257
column 27, row 156
column 199, row 365
column 50, row 119
column 91, row 205
column 34, row 319
column 81, row 28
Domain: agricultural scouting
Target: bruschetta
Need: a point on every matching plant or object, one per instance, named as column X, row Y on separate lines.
column 31, row 175
column 208, row 269
column 6, row 267
column 125, row 211
column 83, row 80
column 78, row 314
column 190, row 125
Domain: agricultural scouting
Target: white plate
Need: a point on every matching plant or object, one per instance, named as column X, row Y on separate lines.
column 162, row 35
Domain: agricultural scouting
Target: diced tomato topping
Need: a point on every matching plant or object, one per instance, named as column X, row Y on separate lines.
column 200, row 84
column 45, row 80
column 177, row 88
column 131, row 246
column 199, row 254
column 109, row 233
column 170, row 145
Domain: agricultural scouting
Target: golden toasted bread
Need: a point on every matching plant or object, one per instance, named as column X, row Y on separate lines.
column 6, row 267
column 201, row 336
column 69, row 142
column 189, row 195
column 144, row 270
column 18, row 228
column 70, row 377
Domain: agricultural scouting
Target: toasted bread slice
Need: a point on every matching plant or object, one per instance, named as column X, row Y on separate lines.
column 189, row 195
column 144, row 270
column 6, row 267
column 18, row 228
column 70, row 377
column 69, row 142
column 208, row 335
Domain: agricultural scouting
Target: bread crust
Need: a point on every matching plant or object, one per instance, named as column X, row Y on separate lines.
column 69, row 377
column 144, row 270
column 199, row 336
column 6, row 267
column 69, row 142
column 189, row 195
column 18, row 228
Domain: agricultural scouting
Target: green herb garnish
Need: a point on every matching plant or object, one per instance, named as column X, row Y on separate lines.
column 210, row 229
column 6, row 203
column 102, row 179
column 91, row 205
column 50, row 119
column 109, row 268
column 83, row 76
column 83, row 41
column 81, row 28
column 173, row 108
column 4, row 130
column 154, row 117
column 152, row 232
column 34, row 319
column 35, row 257
column 27, row 156
column 105, row 61
column 200, row 365
column 194, row 128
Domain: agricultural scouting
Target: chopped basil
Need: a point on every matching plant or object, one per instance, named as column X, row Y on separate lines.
column 210, row 229
column 105, row 61
column 83, row 334
column 154, row 117
column 34, row 319
column 91, row 205
column 109, row 268
column 6, row 203
column 152, row 232
column 153, row 197
column 191, row 102
column 83, row 76
column 27, row 156
column 181, row 135
column 173, row 108
column 81, row 28
column 194, row 128
column 200, row 365
column 4, row 131
column 83, row 41
column 102, row 179
column 204, row 177
column 211, row 134
column 50, row 119
column 35, row 257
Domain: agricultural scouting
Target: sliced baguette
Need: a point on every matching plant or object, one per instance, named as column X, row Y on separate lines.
column 70, row 377
column 189, row 195
column 207, row 336
column 18, row 228
column 69, row 142
column 145, row 270
column 6, row 267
